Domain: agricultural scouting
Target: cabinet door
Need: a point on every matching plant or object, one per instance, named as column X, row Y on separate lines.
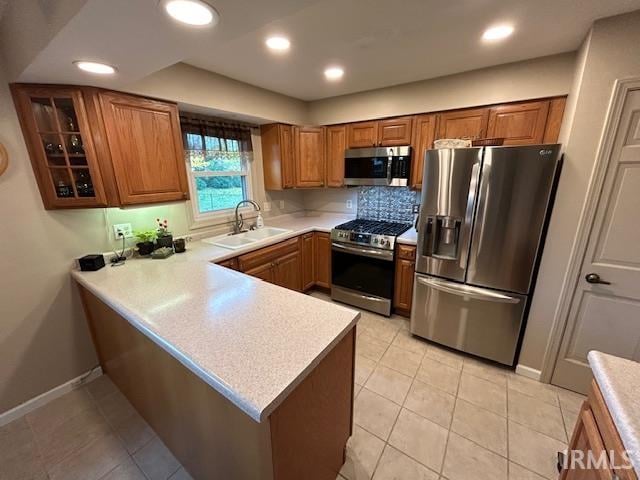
column 146, row 148
column 60, row 140
column 423, row 136
column 403, row 289
column 586, row 438
column 308, row 270
column 264, row 272
column 395, row 131
column 554, row 120
column 287, row 271
column 322, row 259
column 469, row 124
column 519, row 124
column 362, row 134
column 336, row 145
column 286, row 155
column 309, row 156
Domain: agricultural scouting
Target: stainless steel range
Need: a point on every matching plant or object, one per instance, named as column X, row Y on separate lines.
column 363, row 263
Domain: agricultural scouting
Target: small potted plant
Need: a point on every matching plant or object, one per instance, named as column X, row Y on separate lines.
column 146, row 237
column 164, row 237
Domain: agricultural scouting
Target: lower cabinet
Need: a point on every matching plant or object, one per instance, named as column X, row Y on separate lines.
column 322, row 253
column 595, row 436
column 403, row 289
column 299, row 263
column 308, row 268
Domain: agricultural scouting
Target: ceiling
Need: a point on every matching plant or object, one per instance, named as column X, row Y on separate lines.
column 379, row 43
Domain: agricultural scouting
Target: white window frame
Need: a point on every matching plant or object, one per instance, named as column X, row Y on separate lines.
column 199, row 220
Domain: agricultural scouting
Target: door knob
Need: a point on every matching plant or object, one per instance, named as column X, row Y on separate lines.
column 595, row 278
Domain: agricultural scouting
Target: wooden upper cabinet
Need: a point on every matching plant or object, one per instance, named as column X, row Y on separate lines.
column 336, row 145
column 554, row 120
column 385, row 133
column 469, row 124
column 395, row 131
column 519, row 124
column 362, row 134
column 424, row 133
column 309, row 156
column 277, row 156
column 146, row 148
column 60, row 141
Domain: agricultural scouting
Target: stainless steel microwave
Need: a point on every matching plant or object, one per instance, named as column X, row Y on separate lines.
column 385, row 166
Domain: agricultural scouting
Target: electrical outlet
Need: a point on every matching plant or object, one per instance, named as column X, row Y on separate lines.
column 281, row 204
column 120, row 229
column 416, row 208
column 266, row 206
column 349, row 204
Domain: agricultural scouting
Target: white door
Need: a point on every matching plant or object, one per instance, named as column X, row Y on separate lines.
column 606, row 317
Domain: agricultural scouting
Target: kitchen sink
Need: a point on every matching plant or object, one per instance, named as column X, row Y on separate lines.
column 234, row 242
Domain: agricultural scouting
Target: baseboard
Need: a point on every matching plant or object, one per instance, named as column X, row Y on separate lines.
column 529, row 372
column 46, row 397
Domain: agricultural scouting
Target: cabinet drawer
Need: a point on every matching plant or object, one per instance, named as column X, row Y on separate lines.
column 267, row 254
column 407, row 252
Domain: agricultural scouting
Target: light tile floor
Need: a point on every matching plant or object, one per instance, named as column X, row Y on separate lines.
column 421, row 412
column 425, row 412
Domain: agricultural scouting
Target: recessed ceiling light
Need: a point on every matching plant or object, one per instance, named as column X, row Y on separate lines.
column 192, row 12
column 497, row 33
column 334, row 73
column 95, row 67
column 278, row 43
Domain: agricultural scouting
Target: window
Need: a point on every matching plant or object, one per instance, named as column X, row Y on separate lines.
column 218, row 156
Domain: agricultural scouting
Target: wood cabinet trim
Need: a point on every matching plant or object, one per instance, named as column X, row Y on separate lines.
column 554, row 119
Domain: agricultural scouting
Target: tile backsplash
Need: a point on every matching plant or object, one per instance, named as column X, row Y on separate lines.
column 393, row 204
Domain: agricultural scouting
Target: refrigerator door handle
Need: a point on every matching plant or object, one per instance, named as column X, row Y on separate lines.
column 467, row 291
column 471, row 203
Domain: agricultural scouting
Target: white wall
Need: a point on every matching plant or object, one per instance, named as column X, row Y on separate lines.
column 611, row 53
column 537, row 78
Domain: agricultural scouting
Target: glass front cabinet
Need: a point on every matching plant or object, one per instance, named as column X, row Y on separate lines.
column 56, row 128
column 72, row 151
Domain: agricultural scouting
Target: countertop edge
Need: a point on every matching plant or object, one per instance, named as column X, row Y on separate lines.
column 614, row 404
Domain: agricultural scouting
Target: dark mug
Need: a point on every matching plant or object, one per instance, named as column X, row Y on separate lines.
column 179, row 245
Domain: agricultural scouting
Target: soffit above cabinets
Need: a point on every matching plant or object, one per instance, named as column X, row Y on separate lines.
column 377, row 42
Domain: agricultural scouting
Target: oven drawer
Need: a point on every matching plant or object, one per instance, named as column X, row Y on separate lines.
column 476, row 320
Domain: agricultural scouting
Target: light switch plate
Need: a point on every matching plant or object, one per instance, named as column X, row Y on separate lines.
column 122, row 228
column 281, row 204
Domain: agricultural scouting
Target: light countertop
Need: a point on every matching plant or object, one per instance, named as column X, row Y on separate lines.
column 251, row 341
column 619, row 382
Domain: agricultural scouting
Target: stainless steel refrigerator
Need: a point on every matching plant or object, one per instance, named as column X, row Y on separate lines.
column 480, row 228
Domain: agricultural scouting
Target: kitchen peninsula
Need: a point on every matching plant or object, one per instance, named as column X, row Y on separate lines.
column 240, row 378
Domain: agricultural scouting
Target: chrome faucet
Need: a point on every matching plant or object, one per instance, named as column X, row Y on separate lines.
column 239, row 221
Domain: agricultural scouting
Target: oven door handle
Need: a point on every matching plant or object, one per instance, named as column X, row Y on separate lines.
column 364, row 252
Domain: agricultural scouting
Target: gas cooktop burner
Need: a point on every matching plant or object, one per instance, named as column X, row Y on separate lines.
column 373, row 233
column 375, row 227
